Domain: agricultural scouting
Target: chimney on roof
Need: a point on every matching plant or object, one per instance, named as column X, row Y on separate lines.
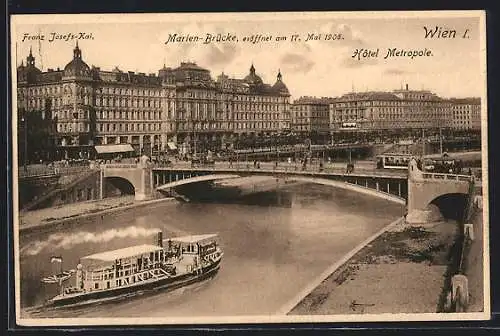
column 406, row 87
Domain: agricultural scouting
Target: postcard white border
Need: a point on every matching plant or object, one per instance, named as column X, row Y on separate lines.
column 276, row 16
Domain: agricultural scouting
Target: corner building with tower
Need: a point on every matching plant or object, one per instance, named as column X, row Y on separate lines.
column 178, row 108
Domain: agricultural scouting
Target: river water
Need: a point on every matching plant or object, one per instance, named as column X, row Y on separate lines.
column 271, row 252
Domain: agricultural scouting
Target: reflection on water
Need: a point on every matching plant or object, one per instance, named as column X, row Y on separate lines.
column 271, row 253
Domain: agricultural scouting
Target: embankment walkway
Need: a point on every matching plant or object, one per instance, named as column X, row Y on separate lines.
column 31, row 220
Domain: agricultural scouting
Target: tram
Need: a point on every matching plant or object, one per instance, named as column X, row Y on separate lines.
column 393, row 161
column 349, row 126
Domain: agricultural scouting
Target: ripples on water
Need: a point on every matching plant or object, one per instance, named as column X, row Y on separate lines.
column 271, row 252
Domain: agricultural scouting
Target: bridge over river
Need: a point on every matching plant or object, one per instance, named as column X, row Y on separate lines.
column 417, row 189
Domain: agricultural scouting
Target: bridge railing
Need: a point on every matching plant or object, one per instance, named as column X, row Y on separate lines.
column 121, row 165
column 313, row 169
column 449, row 177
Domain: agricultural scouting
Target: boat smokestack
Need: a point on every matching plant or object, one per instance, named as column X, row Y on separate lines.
column 159, row 239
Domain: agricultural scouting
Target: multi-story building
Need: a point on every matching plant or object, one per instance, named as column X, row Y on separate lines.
column 466, row 113
column 311, row 115
column 254, row 107
column 400, row 109
column 92, row 107
column 180, row 106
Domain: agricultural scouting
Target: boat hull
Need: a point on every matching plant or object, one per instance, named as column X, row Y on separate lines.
column 166, row 284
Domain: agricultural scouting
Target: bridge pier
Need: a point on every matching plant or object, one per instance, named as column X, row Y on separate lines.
column 377, row 186
column 399, row 189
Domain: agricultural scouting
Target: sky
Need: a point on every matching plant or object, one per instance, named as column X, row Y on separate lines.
column 309, row 68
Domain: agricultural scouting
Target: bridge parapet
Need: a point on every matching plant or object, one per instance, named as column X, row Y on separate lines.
column 120, row 165
column 415, row 174
column 448, row 177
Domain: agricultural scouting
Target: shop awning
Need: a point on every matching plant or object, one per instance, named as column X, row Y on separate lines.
column 123, row 148
column 171, row 146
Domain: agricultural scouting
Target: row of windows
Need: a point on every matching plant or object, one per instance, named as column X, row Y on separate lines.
column 193, row 105
column 131, row 127
column 390, row 109
column 261, row 99
column 184, row 115
column 256, row 116
column 72, row 127
column 63, row 115
column 357, row 103
column 125, row 102
column 41, row 90
column 57, row 89
column 259, row 125
column 475, row 113
column 202, row 126
column 313, row 114
column 126, row 91
column 128, row 115
column 310, row 108
column 466, row 107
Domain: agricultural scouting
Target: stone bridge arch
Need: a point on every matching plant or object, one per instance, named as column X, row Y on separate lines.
column 430, row 191
column 112, row 184
column 139, row 177
column 453, row 206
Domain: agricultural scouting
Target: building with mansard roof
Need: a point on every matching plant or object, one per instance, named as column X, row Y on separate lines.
column 396, row 110
column 177, row 108
column 255, row 107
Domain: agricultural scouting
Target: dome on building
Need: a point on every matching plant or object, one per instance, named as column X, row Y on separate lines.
column 29, row 72
column 21, row 67
column 279, row 86
column 21, row 72
column 252, row 78
column 77, row 67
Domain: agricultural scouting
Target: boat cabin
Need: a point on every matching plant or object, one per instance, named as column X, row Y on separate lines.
column 119, row 267
column 197, row 244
